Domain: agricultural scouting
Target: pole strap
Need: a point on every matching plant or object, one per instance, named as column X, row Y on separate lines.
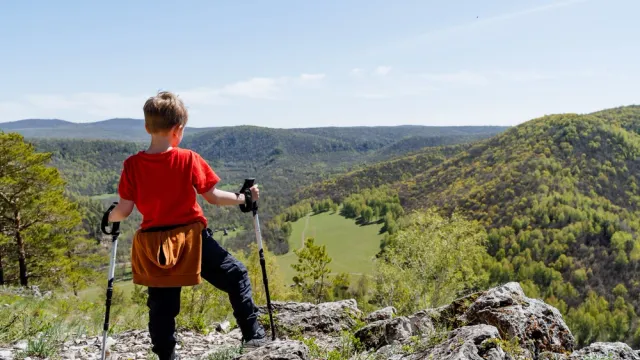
column 115, row 227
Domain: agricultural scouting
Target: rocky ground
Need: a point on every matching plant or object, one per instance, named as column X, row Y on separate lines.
column 497, row 324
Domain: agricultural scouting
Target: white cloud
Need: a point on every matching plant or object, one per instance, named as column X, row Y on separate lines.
column 12, row 110
column 458, row 78
column 382, row 70
column 256, row 88
column 51, row 101
column 312, row 77
column 202, row 96
column 97, row 106
column 371, row 95
column 356, row 72
column 524, row 75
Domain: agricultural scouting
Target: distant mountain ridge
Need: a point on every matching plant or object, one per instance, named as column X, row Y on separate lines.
column 267, row 141
column 109, row 129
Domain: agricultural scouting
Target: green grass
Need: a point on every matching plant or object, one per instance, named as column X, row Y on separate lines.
column 350, row 246
column 222, row 239
column 94, row 293
column 104, row 196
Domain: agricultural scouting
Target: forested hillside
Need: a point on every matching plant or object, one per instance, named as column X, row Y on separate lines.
column 282, row 160
column 559, row 199
column 339, row 187
column 91, row 167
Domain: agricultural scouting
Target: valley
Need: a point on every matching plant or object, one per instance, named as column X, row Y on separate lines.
column 557, row 197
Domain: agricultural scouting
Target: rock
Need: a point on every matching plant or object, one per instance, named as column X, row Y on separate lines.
column 21, row 345
column 385, row 332
column 552, row 356
column 608, row 351
column 382, row 314
column 6, row 354
column 109, row 343
column 224, row 327
column 278, row 350
column 36, row 291
column 466, row 343
column 484, row 326
column 324, row 318
column 422, row 325
column 539, row 326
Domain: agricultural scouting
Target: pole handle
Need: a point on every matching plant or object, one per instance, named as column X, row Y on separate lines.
column 115, row 227
column 248, row 183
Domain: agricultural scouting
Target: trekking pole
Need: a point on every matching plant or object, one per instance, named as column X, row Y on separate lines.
column 115, row 231
column 248, row 183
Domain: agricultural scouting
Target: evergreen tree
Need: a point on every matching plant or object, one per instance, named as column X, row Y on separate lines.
column 312, row 269
column 32, row 205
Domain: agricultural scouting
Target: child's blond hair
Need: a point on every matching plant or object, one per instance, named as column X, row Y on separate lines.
column 163, row 112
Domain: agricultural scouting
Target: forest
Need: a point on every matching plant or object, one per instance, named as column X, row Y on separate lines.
column 558, row 198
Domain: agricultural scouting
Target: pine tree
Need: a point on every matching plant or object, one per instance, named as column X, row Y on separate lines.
column 312, row 269
column 32, row 204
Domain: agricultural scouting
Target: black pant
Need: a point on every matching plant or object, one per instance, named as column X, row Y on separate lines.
column 224, row 272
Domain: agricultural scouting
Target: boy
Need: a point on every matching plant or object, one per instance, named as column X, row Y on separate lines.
column 174, row 247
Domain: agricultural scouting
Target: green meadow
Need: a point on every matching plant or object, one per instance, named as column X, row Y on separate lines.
column 350, row 246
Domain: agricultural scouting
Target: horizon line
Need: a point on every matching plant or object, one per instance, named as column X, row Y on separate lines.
column 250, row 125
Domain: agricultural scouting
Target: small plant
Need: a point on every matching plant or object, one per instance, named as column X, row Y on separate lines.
column 511, row 347
column 315, row 352
column 599, row 357
column 416, row 344
column 226, row 353
column 46, row 344
column 348, row 347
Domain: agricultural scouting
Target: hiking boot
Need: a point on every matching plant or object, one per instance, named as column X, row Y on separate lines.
column 256, row 342
column 173, row 356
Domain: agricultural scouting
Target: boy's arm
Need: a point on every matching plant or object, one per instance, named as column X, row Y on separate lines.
column 121, row 211
column 222, row 198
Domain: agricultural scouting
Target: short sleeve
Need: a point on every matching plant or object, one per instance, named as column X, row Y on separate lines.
column 126, row 185
column 203, row 177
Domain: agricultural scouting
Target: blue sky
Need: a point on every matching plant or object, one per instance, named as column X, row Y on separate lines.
column 320, row 63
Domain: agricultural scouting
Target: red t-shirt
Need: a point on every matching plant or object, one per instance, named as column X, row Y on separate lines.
column 164, row 186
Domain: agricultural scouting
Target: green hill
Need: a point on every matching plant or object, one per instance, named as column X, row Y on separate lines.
column 559, row 198
column 338, row 187
column 559, row 195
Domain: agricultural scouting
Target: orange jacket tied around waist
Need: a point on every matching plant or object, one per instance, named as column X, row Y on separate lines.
column 168, row 258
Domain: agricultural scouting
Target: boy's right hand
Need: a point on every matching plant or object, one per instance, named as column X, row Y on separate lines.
column 255, row 192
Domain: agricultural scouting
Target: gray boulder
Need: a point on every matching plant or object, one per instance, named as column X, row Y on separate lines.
column 606, row 351
column 382, row 314
column 538, row 326
column 466, row 343
column 325, row 318
column 385, row 332
column 278, row 350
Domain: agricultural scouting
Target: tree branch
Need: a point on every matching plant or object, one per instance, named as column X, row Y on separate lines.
column 6, row 199
column 25, row 227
